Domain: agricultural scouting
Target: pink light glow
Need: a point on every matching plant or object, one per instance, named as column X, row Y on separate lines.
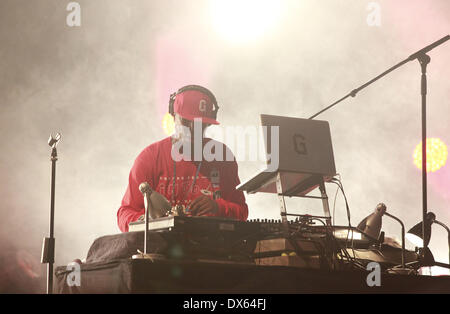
column 427, row 20
column 178, row 62
column 441, row 182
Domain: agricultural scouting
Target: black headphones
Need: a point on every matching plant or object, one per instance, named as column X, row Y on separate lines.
column 198, row 88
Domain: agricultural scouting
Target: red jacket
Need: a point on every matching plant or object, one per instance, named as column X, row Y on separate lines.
column 155, row 166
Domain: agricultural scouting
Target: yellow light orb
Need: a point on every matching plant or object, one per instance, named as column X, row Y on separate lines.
column 168, row 124
column 436, row 154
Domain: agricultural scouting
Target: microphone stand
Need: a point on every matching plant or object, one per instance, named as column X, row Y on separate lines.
column 148, row 194
column 147, row 204
column 146, row 191
column 48, row 245
column 424, row 60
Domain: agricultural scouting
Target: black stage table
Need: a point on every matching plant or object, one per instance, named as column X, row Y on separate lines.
column 168, row 276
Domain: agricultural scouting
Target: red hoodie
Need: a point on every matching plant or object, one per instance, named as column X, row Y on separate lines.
column 155, row 166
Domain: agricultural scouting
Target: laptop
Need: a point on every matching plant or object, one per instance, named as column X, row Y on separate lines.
column 305, row 156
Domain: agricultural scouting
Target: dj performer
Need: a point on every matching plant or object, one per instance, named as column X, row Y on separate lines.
column 193, row 184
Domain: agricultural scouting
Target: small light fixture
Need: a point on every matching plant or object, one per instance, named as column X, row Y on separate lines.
column 415, row 234
column 426, row 257
column 371, row 225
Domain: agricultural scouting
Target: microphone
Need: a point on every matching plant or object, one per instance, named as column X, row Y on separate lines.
column 144, row 187
column 53, row 141
column 156, row 205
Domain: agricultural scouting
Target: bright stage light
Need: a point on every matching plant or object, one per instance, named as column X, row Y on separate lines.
column 436, row 154
column 244, row 20
column 168, row 124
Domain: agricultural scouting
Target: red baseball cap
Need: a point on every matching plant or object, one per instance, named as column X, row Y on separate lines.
column 191, row 104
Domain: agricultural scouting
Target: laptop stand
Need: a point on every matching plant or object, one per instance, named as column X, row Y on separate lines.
column 290, row 184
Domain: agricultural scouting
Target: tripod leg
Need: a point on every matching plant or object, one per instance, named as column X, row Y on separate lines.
column 326, row 206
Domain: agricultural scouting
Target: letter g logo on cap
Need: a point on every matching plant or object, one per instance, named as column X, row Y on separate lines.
column 202, row 105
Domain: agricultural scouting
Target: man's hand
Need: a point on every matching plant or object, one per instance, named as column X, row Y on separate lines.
column 202, row 206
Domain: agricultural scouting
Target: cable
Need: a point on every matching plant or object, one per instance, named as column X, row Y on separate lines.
column 334, row 205
column 338, row 182
column 342, row 253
